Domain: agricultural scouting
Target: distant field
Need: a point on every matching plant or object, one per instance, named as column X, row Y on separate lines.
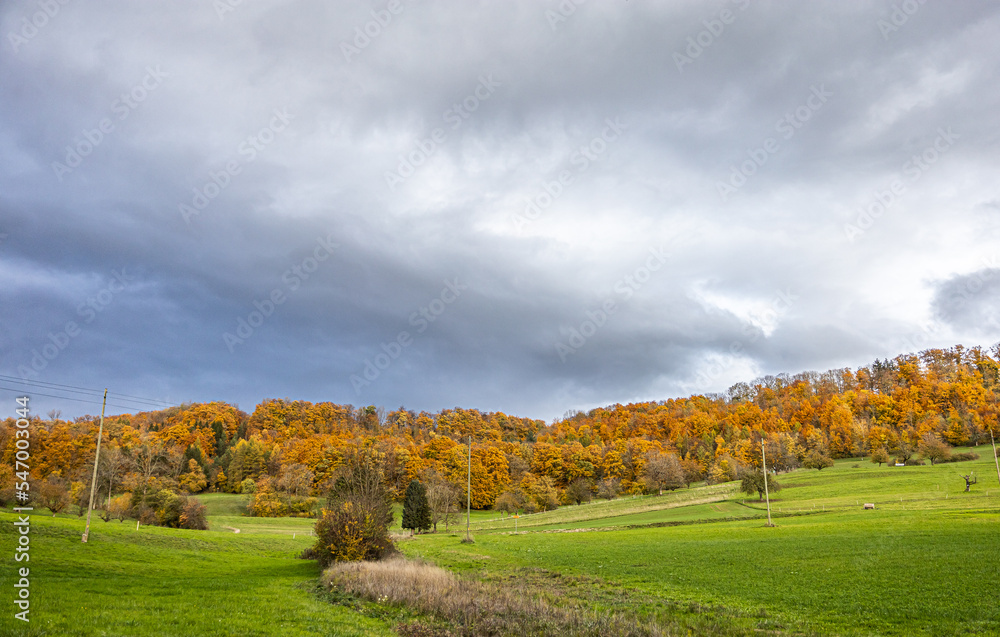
column 225, row 514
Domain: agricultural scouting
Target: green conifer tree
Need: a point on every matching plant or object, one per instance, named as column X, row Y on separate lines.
column 416, row 510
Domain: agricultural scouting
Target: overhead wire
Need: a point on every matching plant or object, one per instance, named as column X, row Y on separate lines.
column 140, row 403
column 79, row 400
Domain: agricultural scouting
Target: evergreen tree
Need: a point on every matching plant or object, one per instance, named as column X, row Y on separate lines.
column 416, row 510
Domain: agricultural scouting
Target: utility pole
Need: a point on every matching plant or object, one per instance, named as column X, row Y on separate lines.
column 766, row 495
column 97, row 457
column 995, row 459
column 468, row 496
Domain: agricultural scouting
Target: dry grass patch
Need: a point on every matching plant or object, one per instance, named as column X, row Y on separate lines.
column 472, row 608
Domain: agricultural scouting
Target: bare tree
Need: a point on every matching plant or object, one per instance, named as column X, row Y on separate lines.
column 148, row 460
column 609, row 488
column 970, row 479
column 664, row 471
column 113, row 464
column 173, row 459
column 442, row 498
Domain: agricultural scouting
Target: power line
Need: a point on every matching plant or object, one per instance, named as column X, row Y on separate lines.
column 139, row 398
column 83, row 390
column 40, row 383
column 79, row 400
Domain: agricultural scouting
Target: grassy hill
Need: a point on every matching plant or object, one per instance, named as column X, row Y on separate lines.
column 165, row 582
column 924, row 562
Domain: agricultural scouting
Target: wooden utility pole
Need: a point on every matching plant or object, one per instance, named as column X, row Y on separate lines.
column 767, row 497
column 468, row 496
column 995, row 459
column 97, row 457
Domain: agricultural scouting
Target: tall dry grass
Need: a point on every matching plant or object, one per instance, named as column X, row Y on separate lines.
column 473, row 608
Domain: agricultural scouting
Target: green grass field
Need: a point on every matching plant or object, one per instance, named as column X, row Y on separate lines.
column 924, row 562
column 166, row 582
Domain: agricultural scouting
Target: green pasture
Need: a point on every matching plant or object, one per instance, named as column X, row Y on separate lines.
column 852, row 573
column 924, row 562
column 165, row 582
column 699, row 560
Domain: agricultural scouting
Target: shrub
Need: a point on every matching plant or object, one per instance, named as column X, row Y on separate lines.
column 193, row 515
column 303, row 507
column 264, row 502
column 346, row 534
column 248, row 486
column 962, row 457
column 355, row 524
column 169, row 512
column 146, row 515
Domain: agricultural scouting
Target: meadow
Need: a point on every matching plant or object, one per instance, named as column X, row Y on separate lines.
column 166, row 582
column 697, row 561
column 924, row 562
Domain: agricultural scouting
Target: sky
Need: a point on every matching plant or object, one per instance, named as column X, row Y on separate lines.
column 526, row 206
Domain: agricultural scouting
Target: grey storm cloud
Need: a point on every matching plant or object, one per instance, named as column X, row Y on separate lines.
column 971, row 301
column 520, row 206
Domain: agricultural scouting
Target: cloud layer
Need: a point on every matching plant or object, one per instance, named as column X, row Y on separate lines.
column 519, row 206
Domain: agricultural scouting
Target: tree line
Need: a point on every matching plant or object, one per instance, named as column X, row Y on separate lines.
column 288, row 455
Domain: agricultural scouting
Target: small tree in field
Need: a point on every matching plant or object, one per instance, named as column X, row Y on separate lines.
column 879, row 456
column 663, row 471
column 416, row 510
column 442, row 498
column 934, row 449
column 816, row 460
column 579, row 491
column 609, row 488
column 53, row 494
column 753, row 482
column 510, row 502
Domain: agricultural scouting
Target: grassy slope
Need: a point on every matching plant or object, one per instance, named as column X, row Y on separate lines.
column 923, row 566
column 167, row 582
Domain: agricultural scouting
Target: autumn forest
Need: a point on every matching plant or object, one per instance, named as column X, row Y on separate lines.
column 286, row 453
